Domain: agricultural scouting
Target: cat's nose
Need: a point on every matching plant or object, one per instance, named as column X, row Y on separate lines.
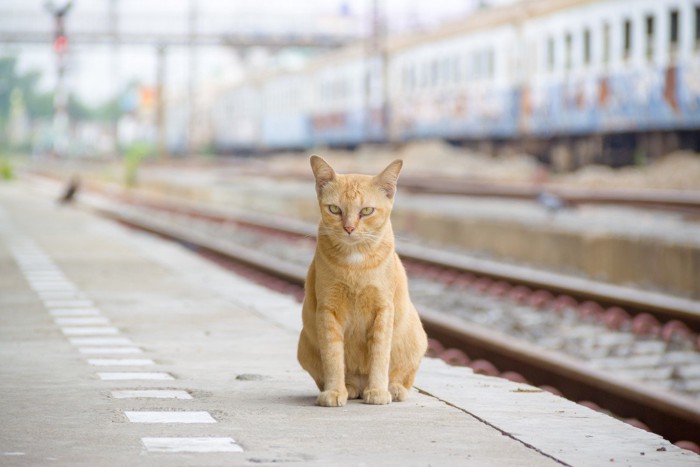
column 349, row 229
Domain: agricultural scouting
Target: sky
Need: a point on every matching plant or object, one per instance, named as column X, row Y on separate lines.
column 96, row 71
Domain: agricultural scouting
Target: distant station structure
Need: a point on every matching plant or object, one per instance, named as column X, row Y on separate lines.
column 29, row 24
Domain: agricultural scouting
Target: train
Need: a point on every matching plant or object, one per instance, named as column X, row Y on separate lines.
column 571, row 81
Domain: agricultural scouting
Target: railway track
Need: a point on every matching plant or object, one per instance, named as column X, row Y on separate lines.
column 674, row 417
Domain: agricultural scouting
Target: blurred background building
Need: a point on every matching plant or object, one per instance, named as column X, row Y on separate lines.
column 570, row 81
column 114, row 58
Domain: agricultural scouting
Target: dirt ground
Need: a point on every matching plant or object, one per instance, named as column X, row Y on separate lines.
column 679, row 170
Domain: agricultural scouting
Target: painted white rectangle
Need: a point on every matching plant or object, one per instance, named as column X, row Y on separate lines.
column 101, row 341
column 109, row 350
column 169, row 417
column 44, row 286
column 120, row 361
column 201, row 445
column 65, row 289
column 74, row 312
column 38, row 267
column 90, row 331
column 39, row 281
column 81, row 321
column 45, row 276
column 74, row 295
column 68, row 303
column 141, row 375
column 151, row 394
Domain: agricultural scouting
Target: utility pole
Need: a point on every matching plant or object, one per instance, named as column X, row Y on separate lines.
column 116, row 84
column 61, row 124
column 192, row 81
column 162, row 150
column 375, row 82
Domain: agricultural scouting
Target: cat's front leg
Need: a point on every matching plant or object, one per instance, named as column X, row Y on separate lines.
column 377, row 391
column 330, row 337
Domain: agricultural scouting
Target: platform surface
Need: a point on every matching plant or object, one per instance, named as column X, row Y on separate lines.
column 119, row 348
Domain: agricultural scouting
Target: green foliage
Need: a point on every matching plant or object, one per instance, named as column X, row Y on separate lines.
column 6, row 171
column 38, row 104
column 133, row 157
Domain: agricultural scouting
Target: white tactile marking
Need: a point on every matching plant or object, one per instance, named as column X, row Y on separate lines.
column 39, row 269
column 61, row 295
column 69, row 307
column 109, row 350
column 120, row 361
column 52, row 286
column 202, row 445
column 81, row 321
column 68, row 303
column 101, row 341
column 151, row 394
column 57, row 274
column 33, row 280
column 47, row 278
column 90, row 331
column 169, row 417
column 74, row 312
column 147, row 376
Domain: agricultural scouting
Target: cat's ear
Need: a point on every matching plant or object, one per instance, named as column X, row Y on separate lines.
column 323, row 172
column 388, row 178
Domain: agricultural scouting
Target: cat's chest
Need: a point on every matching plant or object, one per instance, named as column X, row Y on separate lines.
column 354, row 258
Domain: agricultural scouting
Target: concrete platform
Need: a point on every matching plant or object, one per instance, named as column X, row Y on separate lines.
column 119, row 348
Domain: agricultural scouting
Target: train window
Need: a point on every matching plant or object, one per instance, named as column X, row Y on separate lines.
column 550, row 54
column 468, row 68
column 457, row 66
column 567, row 51
column 586, row 46
column 606, row 43
column 446, row 71
column 649, row 21
column 673, row 30
column 697, row 27
column 533, row 54
column 627, row 40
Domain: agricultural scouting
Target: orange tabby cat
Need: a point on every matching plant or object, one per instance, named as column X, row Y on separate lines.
column 362, row 336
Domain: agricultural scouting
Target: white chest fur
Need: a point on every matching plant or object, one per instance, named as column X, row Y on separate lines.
column 355, row 258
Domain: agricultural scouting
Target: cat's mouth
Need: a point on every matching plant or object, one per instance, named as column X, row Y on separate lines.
column 352, row 238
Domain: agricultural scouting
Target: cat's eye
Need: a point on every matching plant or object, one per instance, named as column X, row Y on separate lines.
column 334, row 209
column 366, row 211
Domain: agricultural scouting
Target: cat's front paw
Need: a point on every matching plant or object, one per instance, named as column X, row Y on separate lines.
column 398, row 392
column 376, row 396
column 333, row 398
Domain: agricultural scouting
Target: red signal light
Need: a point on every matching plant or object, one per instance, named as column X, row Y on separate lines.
column 60, row 44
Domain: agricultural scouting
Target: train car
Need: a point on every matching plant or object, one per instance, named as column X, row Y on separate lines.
column 623, row 77
column 344, row 111
column 236, row 119
column 456, row 83
column 285, row 120
column 572, row 81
